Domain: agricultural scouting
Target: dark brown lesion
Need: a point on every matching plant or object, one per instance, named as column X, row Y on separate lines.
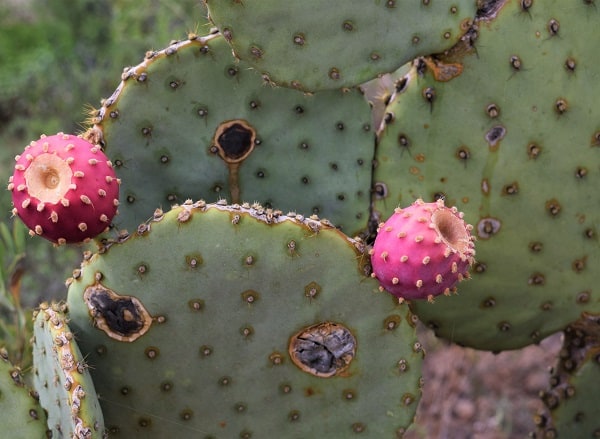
column 122, row 318
column 234, row 141
column 324, row 350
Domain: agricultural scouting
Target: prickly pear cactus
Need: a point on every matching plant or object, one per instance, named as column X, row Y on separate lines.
column 61, row 378
column 314, row 45
column 572, row 400
column 191, row 122
column 513, row 142
column 21, row 416
column 238, row 321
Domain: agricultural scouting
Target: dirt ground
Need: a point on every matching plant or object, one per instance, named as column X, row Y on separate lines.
column 472, row 394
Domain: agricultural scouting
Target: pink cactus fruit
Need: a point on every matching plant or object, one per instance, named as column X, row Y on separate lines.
column 422, row 251
column 64, row 189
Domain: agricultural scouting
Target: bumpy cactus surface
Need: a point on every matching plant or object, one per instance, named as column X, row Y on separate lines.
column 219, row 320
column 21, row 416
column 314, row 45
column 196, row 327
column 219, row 131
column 64, row 189
column 62, row 378
column 572, row 399
column 513, row 141
column 423, row 251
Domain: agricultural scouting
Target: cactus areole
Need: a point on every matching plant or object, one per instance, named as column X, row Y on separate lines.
column 323, row 350
column 64, row 189
column 422, row 251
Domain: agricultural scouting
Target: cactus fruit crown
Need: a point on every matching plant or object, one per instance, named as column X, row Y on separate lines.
column 423, row 251
column 64, row 189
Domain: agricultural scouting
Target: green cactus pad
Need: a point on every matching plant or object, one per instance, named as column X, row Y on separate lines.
column 513, row 142
column 191, row 122
column 313, row 45
column 21, row 416
column 237, row 321
column 61, row 378
column 572, row 400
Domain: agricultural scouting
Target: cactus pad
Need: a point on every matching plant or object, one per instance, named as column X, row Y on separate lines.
column 21, row 416
column 513, row 142
column 62, row 379
column 234, row 338
column 191, row 122
column 314, row 45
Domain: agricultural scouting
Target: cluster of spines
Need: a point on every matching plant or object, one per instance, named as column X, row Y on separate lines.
column 256, row 210
column 139, row 74
column 70, row 371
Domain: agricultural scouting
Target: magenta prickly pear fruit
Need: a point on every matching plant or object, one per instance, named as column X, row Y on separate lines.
column 422, row 251
column 64, row 189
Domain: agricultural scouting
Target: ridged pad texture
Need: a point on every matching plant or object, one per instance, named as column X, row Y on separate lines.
column 514, row 143
column 261, row 325
column 61, row 378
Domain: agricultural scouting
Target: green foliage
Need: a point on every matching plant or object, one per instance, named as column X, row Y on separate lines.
column 14, row 319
